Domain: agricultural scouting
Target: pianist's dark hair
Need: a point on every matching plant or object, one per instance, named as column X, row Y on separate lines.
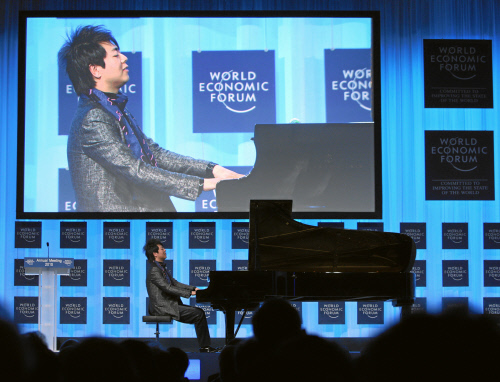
column 82, row 49
column 151, row 247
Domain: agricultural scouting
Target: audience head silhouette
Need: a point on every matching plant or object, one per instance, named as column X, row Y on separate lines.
column 68, row 344
column 140, row 358
column 311, row 358
column 41, row 362
column 96, row 359
column 276, row 325
column 178, row 363
column 12, row 355
column 275, row 321
column 282, row 351
column 453, row 346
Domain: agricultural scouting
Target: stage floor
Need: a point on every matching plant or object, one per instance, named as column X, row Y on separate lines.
column 190, row 345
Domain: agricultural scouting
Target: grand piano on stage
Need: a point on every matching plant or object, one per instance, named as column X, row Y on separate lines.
column 301, row 262
column 326, row 168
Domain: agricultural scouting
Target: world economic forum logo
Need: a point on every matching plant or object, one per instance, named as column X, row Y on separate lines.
column 459, row 165
column 236, row 88
column 348, row 82
column 116, row 310
column 458, row 73
column 461, row 153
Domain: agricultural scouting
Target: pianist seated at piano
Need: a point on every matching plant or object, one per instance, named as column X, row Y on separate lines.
column 165, row 292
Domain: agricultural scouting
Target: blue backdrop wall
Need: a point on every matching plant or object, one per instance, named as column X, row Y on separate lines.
column 404, row 25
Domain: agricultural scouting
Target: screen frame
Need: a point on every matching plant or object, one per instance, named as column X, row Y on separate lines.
column 376, row 112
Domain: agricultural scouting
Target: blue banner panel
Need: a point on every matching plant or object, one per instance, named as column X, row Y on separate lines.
column 73, row 310
column 455, row 236
column 417, row 231
column 116, row 273
column 331, row 312
column 491, row 235
column 202, row 235
column 239, row 265
column 337, row 225
column 73, row 235
column 116, row 310
column 21, row 278
column 458, row 73
column 420, row 305
column 199, row 271
column 452, row 303
column 420, row 270
column 348, row 84
column 66, row 192
column 370, row 312
column 68, row 102
column 68, row 99
column 455, row 273
column 116, row 235
column 25, row 310
column 77, row 275
column 459, row 165
column 491, row 307
column 162, row 231
column 210, row 313
column 247, row 320
column 207, row 201
column 233, row 90
column 240, row 234
column 491, row 273
column 368, row 226
column 28, row 235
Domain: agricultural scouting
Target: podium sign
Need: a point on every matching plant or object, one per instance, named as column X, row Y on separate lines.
column 48, row 268
column 33, row 265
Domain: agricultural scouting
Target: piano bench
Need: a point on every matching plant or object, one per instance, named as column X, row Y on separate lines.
column 158, row 320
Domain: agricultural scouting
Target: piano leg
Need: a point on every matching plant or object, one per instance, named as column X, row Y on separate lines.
column 230, row 314
column 405, row 311
column 405, row 305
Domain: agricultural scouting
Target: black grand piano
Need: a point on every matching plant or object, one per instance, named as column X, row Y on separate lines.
column 301, row 262
column 323, row 167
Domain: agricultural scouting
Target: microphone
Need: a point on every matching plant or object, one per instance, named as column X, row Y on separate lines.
column 48, row 250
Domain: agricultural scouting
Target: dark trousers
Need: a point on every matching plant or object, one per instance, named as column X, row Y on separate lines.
column 192, row 315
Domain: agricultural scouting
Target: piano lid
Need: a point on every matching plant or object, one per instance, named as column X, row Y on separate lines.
column 279, row 243
column 328, row 167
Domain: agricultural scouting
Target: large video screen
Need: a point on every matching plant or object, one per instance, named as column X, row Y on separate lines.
column 193, row 114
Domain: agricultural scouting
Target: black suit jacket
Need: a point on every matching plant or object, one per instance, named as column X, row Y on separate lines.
column 164, row 298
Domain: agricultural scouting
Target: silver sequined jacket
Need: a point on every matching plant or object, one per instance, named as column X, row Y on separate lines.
column 164, row 297
column 107, row 177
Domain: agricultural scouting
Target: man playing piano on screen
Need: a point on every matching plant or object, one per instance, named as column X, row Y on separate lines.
column 164, row 295
column 114, row 167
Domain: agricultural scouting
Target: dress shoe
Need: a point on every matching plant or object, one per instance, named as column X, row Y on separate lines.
column 208, row 349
